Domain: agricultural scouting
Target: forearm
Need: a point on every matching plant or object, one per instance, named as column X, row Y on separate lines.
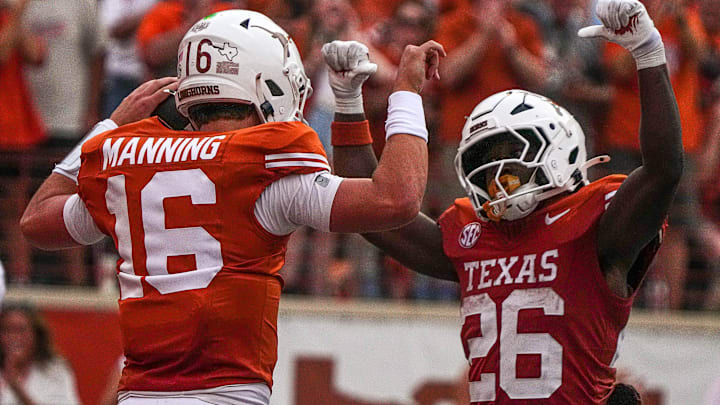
column 370, row 199
column 392, row 197
column 353, row 161
column 660, row 130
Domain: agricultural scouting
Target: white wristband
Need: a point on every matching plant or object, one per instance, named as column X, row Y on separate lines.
column 70, row 165
column 349, row 105
column 405, row 115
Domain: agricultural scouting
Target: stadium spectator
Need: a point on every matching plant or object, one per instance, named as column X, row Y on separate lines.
column 410, row 22
column 372, row 11
column 509, row 50
column 20, row 125
column 199, row 299
column 328, row 20
column 165, row 24
column 66, row 88
column 542, row 255
column 124, row 70
column 32, row 373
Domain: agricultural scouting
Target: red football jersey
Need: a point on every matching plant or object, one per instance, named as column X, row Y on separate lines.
column 541, row 325
column 198, row 274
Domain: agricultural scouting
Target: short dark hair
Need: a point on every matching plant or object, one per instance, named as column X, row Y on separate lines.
column 202, row 114
column 624, row 394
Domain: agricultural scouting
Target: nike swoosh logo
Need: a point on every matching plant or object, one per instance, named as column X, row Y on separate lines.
column 549, row 220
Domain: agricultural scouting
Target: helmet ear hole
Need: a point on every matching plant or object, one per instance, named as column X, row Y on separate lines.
column 572, row 158
column 275, row 90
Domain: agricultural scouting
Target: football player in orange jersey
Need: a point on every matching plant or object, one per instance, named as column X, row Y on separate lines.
column 548, row 263
column 201, row 218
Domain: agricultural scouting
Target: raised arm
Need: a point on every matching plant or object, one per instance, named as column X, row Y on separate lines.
column 55, row 218
column 640, row 206
column 417, row 245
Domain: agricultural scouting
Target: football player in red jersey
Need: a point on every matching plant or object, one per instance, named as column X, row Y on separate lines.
column 548, row 263
column 201, row 218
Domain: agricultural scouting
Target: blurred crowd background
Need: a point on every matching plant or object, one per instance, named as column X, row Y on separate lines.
column 66, row 64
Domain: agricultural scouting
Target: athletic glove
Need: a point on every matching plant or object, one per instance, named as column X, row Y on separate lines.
column 348, row 68
column 627, row 23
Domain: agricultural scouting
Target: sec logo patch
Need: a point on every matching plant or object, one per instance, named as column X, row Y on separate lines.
column 469, row 235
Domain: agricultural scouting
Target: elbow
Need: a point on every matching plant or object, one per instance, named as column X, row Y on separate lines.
column 28, row 227
column 403, row 210
column 34, row 231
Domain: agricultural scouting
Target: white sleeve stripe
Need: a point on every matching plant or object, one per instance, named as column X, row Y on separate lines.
column 297, row 163
column 610, row 195
column 279, row 156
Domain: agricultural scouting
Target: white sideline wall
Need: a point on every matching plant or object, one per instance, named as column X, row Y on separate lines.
column 384, row 352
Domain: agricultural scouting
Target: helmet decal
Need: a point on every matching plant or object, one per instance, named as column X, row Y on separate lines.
column 242, row 56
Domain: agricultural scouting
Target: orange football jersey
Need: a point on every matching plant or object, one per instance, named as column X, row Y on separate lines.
column 199, row 282
column 541, row 325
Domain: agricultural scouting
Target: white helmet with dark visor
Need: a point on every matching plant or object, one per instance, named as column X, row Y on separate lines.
column 517, row 149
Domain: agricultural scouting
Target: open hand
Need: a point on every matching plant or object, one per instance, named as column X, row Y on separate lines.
column 418, row 65
column 143, row 100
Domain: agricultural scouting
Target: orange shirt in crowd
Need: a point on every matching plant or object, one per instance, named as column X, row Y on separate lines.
column 620, row 128
column 20, row 124
column 165, row 17
column 372, row 11
column 494, row 72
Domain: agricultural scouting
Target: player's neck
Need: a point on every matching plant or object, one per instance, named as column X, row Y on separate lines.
column 224, row 125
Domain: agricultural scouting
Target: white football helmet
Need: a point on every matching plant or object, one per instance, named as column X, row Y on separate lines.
column 513, row 132
column 242, row 56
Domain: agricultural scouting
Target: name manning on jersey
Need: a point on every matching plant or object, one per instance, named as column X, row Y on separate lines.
column 138, row 151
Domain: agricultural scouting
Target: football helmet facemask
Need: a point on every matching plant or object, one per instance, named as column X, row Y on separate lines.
column 517, row 149
column 241, row 56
